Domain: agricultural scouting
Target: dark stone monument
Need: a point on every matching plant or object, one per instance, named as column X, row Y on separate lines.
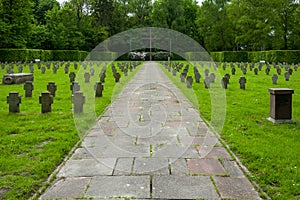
column 66, row 69
column 92, row 71
column 189, row 82
column 46, row 99
column 78, row 100
column 99, row 89
column 43, row 69
column 102, row 77
column 225, row 82
column 267, row 71
column 274, row 79
column 51, row 87
column 256, row 71
column 233, row 70
column 9, row 79
column 287, row 76
column 197, row 77
column 182, row 77
column 72, row 76
column 117, row 77
column 14, row 100
column 278, row 71
column 291, row 71
column 207, row 82
column 212, row 77
column 28, row 87
column 244, row 70
column 55, row 68
column 75, row 87
column 242, row 82
column 206, row 72
column 87, row 77
column 228, row 77
column 174, row 71
column 281, row 105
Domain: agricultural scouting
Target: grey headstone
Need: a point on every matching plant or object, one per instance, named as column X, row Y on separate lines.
column 14, row 101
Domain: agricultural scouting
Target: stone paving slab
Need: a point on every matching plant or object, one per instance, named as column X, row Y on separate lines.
column 159, row 166
column 119, row 186
column 183, row 187
column 205, row 167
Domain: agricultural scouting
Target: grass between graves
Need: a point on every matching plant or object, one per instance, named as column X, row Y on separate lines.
column 270, row 151
column 32, row 144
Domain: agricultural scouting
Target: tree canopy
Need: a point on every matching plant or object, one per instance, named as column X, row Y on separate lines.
column 218, row 25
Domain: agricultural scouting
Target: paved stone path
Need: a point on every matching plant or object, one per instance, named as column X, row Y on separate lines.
column 151, row 144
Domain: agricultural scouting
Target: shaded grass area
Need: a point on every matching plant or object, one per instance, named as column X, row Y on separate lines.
column 32, row 144
column 270, row 151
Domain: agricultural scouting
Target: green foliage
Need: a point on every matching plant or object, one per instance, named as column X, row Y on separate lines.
column 12, row 55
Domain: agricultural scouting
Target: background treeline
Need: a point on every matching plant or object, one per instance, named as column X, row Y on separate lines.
column 218, row 25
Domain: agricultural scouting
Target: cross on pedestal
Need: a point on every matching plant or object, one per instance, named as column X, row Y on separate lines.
column 46, row 100
column 28, row 87
column 14, row 100
column 51, row 87
column 150, row 41
column 78, row 100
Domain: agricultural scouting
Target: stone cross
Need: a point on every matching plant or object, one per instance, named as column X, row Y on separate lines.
column 212, row 77
column 72, row 76
column 117, row 77
column 287, row 76
column 228, row 77
column 278, row 71
column 267, row 71
column 189, row 82
column 197, row 77
column 256, row 71
column 43, row 69
column 233, row 70
column 51, row 87
column 87, row 77
column 242, row 82
column 46, row 99
column 28, row 87
column 20, row 69
column 102, row 77
column 98, row 88
column 78, row 100
column 66, row 69
column 55, row 68
column 225, row 82
column 274, row 79
column 206, row 72
column 92, row 71
column 14, row 100
column 174, row 71
column 75, row 87
column 207, row 82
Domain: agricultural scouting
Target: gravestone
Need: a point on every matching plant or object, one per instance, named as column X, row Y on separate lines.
column 197, row 77
column 291, row 71
column 212, row 77
column 224, row 66
column 255, row 71
column 286, row 76
column 21, row 78
column 55, row 68
column 244, row 70
column 20, row 69
column 267, row 71
column 87, row 77
column 75, row 87
column 66, row 69
column 228, row 77
column 72, row 76
column 99, row 89
column 92, row 71
column 206, row 72
column 51, row 87
column 182, row 77
column 274, row 79
column 225, row 82
column 242, row 82
column 278, row 71
column 43, row 69
column 75, row 65
column 46, row 100
column 14, row 101
column 117, row 77
column 233, row 70
column 78, row 100
column 281, row 105
column 28, row 87
column 102, row 77
column 207, row 82
column 174, row 71
column 189, row 82
column 296, row 68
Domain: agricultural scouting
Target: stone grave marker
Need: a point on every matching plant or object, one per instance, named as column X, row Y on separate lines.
column 225, row 82
column 278, row 71
column 224, row 66
column 267, row 71
column 291, row 71
column 286, row 76
column 125, row 72
column 174, row 71
column 228, row 77
column 212, row 77
column 233, row 70
column 43, row 69
column 75, row 87
column 51, row 87
column 255, row 71
column 102, row 77
column 20, row 69
column 92, row 71
column 296, row 68
column 14, row 101
column 66, row 69
column 72, row 76
column 244, row 70
column 87, row 77
column 206, row 72
column 54, row 69
column 242, row 82
column 78, row 100
column 117, row 77
column 99, row 89
column 46, row 100
column 75, row 65
column 182, row 77
column 207, row 82
column 28, row 87
column 274, row 79
column 197, row 77
column 189, row 82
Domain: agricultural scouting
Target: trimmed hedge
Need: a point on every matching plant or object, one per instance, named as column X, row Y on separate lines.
column 12, row 55
column 276, row 56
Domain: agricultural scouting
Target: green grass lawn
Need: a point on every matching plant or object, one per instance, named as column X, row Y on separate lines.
column 270, row 151
column 32, row 144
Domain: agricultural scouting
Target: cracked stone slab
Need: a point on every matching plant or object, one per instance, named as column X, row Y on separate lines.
column 178, row 167
column 123, row 167
column 183, row 187
column 87, row 167
column 235, row 188
column 67, row 188
column 119, row 186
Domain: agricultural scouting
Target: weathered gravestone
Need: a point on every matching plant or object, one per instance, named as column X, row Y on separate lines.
column 244, row 70
column 225, row 82
column 189, row 82
column 233, row 70
column 206, row 72
column 66, row 69
column 197, row 77
column 212, row 77
column 87, row 77
column 207, row 82
column 55, row 68
column 182, row 77
column 291, row 71
column 9, row 79
column 281, row 105
column 43, row 69
column 287, row 76
column 72, row 76
column 242, row 82
column 46, row 100
column 274, row 79
column 20, row 69
column 14, row 100
column 78, row 100
column 174, row 71
column 75, row 87
column 99, row 89
column 75, row 65
column 228, row 77
column 51, row 87
column 255, row 71
column 92, row 71
column 267, row 71
column 117, row 77
column 278, row 71
column 102, row 77
column 28, row 87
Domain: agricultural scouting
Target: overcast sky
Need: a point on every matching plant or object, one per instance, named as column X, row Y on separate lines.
column 60, row 1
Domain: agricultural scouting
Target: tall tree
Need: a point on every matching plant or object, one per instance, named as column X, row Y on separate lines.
column 140, row 10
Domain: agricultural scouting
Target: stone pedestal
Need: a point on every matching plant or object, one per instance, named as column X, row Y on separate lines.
column 281, row 105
